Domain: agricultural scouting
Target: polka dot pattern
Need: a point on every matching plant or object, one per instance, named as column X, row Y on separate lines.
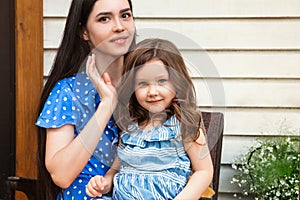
column 73, row 101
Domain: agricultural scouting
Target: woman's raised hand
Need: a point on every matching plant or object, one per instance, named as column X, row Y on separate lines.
column 102, row 84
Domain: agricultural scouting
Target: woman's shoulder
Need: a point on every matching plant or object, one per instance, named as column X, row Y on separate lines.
column 64, row 83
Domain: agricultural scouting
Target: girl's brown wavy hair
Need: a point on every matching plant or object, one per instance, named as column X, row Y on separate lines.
column 183, row 105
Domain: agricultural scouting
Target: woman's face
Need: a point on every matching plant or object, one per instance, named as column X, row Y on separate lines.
column 110, row 27
column 153, row 88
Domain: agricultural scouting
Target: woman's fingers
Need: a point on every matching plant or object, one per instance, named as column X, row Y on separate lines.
column 103, row 84
column 106, row 78
column 92, row 71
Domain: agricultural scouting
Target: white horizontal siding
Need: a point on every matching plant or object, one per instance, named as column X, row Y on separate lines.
column 215, row 8
column 198, row 8
column 258, row 121
column 207, row 34
column 56, row 8
column 253, row 53
column 230, row 34
column 248, row 92
column 232, row 64
column 248, row 64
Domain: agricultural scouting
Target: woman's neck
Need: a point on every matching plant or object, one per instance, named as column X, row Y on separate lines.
column 111, row 65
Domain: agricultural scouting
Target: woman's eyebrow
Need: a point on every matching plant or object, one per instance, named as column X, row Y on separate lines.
column 125, row 10
column 110, row 13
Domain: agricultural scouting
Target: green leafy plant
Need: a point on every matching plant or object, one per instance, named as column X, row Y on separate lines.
column 269, row 169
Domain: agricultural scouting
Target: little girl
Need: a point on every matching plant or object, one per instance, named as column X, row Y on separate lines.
column 162, row 151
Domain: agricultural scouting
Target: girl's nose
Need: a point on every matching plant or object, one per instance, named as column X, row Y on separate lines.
column 152, row 91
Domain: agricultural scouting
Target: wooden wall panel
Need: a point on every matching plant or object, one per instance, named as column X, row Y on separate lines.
column 29, row 76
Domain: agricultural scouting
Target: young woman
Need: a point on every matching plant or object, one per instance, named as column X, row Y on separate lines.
column 162, row 152
column 76, row 130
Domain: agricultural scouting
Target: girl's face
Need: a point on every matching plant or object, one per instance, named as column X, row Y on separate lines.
column 153, row 89
column 110, row 27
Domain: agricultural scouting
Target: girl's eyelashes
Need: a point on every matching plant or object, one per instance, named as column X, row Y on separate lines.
column 142, row 83
column 162, row 81
column 159, row 82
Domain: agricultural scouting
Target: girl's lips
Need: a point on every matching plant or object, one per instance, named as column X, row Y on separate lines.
column 155, row 101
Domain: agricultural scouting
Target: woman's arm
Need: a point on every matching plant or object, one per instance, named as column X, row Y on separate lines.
column 66, row 156
column 202, row 170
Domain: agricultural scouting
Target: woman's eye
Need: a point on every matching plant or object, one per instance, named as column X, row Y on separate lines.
column 126, row 15
column 161, row 81
column 103, row 19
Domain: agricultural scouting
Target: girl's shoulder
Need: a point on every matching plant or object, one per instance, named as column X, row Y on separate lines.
column 168, row 131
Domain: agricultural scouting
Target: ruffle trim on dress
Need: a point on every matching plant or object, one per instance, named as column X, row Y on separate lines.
column 138, row 137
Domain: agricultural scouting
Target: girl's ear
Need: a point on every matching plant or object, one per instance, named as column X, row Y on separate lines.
column 85, row 34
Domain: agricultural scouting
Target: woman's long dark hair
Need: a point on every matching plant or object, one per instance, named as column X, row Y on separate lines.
column 70, row 55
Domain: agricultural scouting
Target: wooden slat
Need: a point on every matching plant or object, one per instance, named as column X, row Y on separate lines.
column 49, row 56
column 215, row 8
column 29, row 76
column 241, row 64
column 225, row 34
column 53, row 31
column 207, row 34
column 56, row 8
column 248, row 93
column 231, row 64
column 259, row 121
column 212, row 8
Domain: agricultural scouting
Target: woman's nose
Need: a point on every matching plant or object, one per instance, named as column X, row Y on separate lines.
column 118, row 26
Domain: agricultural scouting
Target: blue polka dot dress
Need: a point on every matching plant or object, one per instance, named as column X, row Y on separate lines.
column 154, row 164
column 73, row 101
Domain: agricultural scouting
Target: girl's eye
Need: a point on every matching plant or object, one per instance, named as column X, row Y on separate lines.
column 162, row 81
column 103, row 19
column 141, row 84
column 126, row 15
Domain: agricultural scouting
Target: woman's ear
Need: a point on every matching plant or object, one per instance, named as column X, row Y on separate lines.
column 85, row 34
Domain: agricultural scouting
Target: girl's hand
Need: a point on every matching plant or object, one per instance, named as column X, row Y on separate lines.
column 97, row 186
column 102, row 84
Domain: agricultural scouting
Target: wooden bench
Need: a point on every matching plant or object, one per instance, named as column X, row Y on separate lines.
column 214, row 124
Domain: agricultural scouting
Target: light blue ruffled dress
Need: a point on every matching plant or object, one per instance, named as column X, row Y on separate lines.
column 154, row 164
column 73, row 101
